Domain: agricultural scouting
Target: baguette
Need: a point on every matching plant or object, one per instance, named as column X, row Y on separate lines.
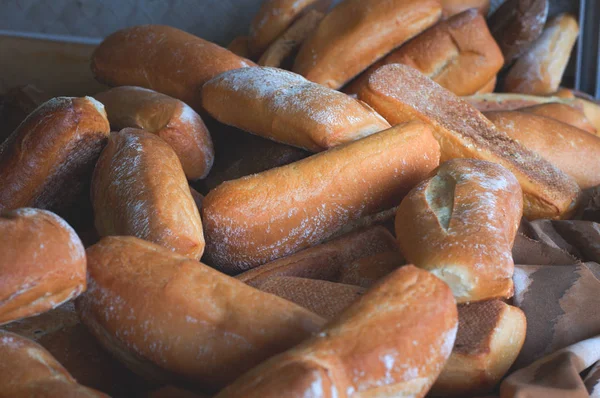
column 509, row 102
column 42, row 263
column 266, row 216
column 489, row 339
column 571, row 115
column 453, row 7
column 459, row 54
column 139, row 189
column 540, row 70
column 28, row 370
column 463, row 132
column 163, row 59
column 48, row 160
column 461, row 224
column 287, row 108
column 356, row 33
column 392, row 341
column 170, row 318
column 169, row 118
column 574, row 151
column 324, row 261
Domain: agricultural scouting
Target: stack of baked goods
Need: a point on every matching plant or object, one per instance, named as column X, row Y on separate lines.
column 323, row 211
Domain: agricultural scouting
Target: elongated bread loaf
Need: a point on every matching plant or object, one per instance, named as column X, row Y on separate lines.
column 400, row 94
column 259, row 218
column 287, row 108
column 168, row 317
column 172, row 120
column 569, row 114
column 139, row 189
column 509, row 102
column 410, row 319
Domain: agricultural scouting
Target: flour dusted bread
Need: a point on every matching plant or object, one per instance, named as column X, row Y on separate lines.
column 574, row 151
column 461, row 224
column 571, row 114
column 400, row 93
column 48, row 160
column 172, row 120
column 410, row 320
column 459, row 54
column 42, row 263
column 164, row 59
column 266, row 216
column 356, row 33
column 489, row 339
column 539, row 71
column 139, row 189
column 28, row 370
column 170, row 318
column 287, row 108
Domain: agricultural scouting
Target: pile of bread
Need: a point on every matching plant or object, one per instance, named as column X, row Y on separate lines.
column 357, row 243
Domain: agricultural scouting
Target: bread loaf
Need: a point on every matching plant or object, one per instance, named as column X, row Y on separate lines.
column 569, row 114
column 461, row 224
column 164, row 59
column 42, row 263
column 239, row 46
column 287, row 108
column 489, row 87
column 356, row 33
column 48, row 160
column 266, row 216
column 367, row 271
column 28, row 370
column 540, row 70
column 410, row 320
column 139, row 189
column 400, row 94
column 171, row 318
column 459, row 54
column 172, row 120
column 510, row 102
column 453, row 7
column 574, row 151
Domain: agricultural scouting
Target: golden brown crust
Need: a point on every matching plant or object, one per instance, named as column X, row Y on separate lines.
column 540, row 70
column 574, row 151
column 410, row 319
column 163, row 59
column 489, row 87
column 285, row 107
column 453, row 7
column 356, row 33
column 571, row 115
column 461, row 224
column 486, row 102
column 172, row 318
column 260, row 218
column 169, row 118
column 239, row 46
column 324, row 261
column 47, row 162
column 42, row 263
column 459, row 54
column 401, row 94
column 139, row 189
column 28, row 370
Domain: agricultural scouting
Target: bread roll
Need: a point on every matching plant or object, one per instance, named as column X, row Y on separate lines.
column 516, row 24
column 172, row 120
column 461, row 225
column 274, row 17
column 453, row 7
column 290, row 41
column 239, row 46
column 571, row 115
column 171, row 318
column 42, row 263
column 163, row 59
column 266, row 216
column 459, row 54
column 326, row 260
column 510, row 102
column 540, row 70
column 490, row 336
column 48, row 160
column 287, row 108
column 28, row 370
column 393, row 341
column 139, row 189
column 356, row 33
column 463, row 132
column 489, row 87
column 16, row 104
column 574, row 151
column 366, row 271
